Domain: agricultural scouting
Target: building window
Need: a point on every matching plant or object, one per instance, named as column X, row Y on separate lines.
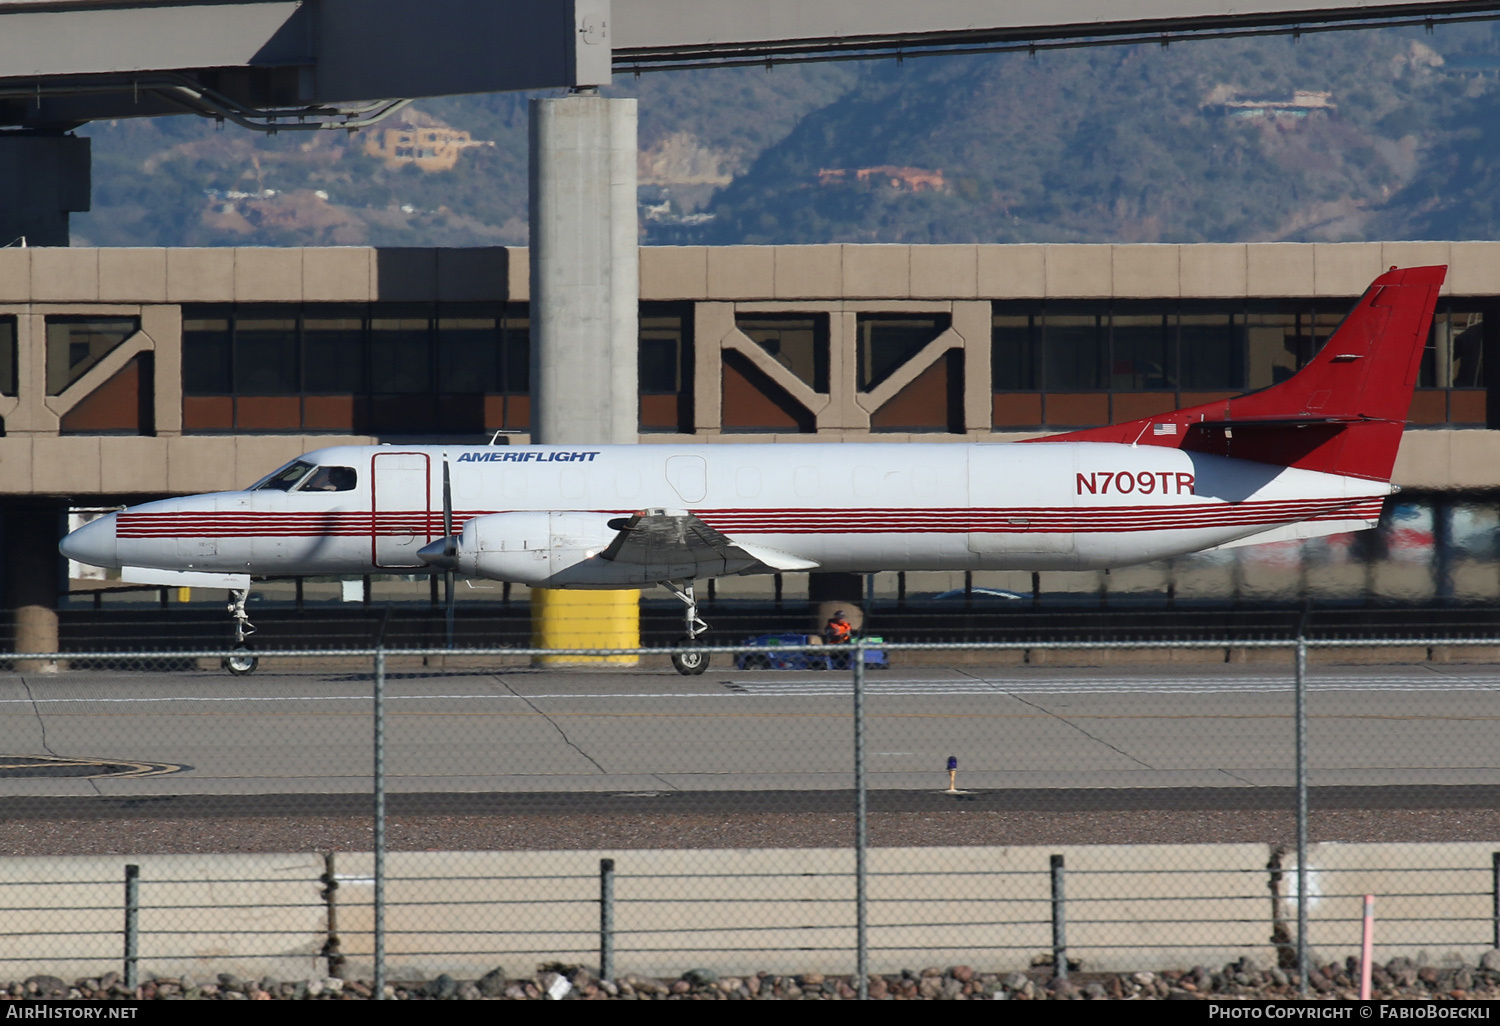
column 665, row 368
column 885, row 342
column 122, row 405
column 7, row 356
column 1084, row 364
column 381, row 368
column 1211, row 349
column 1451, row 381
column 75, row 344
column 933, row 400
column 800, row 344
column 752, row 403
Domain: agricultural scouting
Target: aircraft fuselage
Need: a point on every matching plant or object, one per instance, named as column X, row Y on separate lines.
column 853, row 507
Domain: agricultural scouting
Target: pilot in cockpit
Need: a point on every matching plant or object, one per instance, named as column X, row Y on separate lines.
column 330, row 479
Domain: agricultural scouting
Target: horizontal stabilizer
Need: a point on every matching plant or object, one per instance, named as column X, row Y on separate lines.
column 1300, row 532
column 183, row 578
column 1270, row 422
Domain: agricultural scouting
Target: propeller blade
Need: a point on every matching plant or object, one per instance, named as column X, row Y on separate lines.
column 450, row 549
column 450, row 544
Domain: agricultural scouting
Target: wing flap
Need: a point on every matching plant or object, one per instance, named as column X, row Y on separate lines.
column 662, row 537
column 184, row 578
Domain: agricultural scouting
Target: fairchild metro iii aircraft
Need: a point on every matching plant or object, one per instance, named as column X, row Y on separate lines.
column 1307, row 457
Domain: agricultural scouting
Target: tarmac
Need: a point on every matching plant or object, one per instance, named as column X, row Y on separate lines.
column 1178, row 736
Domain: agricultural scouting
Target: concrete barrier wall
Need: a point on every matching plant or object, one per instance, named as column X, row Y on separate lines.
column 1433, row 902
column 738, row 910
column 200, row 915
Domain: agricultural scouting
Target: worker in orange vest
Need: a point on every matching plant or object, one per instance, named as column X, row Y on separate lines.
column 838, row 629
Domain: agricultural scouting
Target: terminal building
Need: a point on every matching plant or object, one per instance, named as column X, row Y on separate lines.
column 130, row 374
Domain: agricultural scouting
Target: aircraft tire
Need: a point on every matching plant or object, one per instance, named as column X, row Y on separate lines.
column 242, row 662
column 689, row 664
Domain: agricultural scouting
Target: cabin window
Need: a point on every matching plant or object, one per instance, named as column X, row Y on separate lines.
column 285, row 479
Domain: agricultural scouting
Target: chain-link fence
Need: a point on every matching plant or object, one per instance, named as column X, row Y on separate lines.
column 798, row 819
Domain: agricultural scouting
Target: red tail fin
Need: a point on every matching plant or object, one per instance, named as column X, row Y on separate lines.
column 1341, row 414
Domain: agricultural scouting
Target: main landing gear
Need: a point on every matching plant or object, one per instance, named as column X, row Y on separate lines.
column 689, row 664
column 241, row 662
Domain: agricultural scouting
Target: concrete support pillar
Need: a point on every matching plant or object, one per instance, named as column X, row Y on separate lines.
column 31, row 576
column 42, row 179
column 585, row 277
column 585, row 303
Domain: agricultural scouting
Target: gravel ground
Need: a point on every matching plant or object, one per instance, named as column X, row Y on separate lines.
column 1400, row 979
column 141, row 836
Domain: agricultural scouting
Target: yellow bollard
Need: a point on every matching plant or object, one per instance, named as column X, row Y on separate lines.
column 184, row 594
column 562, row 618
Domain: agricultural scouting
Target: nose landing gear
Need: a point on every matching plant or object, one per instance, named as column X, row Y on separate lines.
column 689, row 664
column 241, row 661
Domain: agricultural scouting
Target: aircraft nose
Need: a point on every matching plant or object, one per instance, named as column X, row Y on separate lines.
column 93, row 543
column 436, row 554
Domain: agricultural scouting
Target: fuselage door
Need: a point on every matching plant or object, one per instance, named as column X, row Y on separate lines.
column 1019, row 502
column 688, row 476
column 401, row 507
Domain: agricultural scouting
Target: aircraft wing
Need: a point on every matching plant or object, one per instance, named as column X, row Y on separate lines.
column 655, row 537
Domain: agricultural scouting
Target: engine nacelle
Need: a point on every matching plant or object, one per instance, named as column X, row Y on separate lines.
column 545, row 549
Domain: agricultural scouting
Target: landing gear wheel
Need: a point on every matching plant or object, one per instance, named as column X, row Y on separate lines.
column 689, row 664
column 241, row 662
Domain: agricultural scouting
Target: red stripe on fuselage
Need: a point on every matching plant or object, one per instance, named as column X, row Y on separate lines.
column 1021, row 520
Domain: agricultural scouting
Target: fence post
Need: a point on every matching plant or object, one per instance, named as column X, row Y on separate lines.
column 132, row 926
column 861, row 838
column 607, row 919
column 1059, row 921
column 1495, row 896
column 1367, row 949
column 379, row 826
column 1300, row 687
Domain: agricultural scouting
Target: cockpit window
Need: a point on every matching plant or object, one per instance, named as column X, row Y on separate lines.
column 330, row 479
column 284, row 479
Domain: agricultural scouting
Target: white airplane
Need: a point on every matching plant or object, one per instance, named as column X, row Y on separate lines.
column 1307, row 457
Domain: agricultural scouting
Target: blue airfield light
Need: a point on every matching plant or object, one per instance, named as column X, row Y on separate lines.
column 953, row 773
